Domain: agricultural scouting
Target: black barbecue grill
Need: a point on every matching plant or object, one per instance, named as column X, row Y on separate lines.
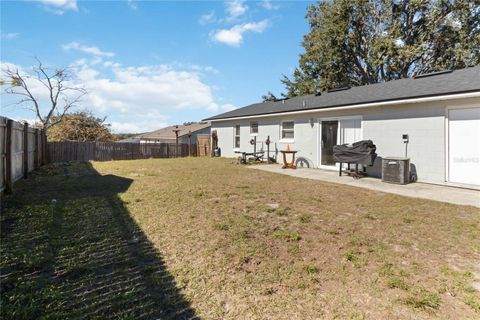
column 357, row 153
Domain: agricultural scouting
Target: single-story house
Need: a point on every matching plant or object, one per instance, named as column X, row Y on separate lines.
column 187, row 133
column 440, row 113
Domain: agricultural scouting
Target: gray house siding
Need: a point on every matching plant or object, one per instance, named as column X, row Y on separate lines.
column 425, row 123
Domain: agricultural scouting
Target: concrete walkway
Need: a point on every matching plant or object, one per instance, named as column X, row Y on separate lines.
column 416, row 190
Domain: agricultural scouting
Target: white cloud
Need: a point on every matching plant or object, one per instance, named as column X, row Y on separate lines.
column 194, row 67
column 268, row 5
column 237, row 22
column 87, row 74
column 159, row 86
column 86, row 49
column 234, row 36
column 207, row 18
column 10, row 35
column 137, row 127
column 59, row 6
column 138, row 98
column 110, row 64
column 132, row 4
column 235, row 9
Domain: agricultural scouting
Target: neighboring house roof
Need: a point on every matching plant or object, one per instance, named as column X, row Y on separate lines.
column 429, row 85
column 129, row 140
column 167, row 133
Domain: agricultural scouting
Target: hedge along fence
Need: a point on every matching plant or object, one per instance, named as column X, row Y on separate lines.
column 22, row 149
column 107, row 151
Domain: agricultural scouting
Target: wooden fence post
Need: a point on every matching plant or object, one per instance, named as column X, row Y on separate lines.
column 25, row 150
column 40, row 147
column 189, row 143
column 45, row 146
column 8, row 158
column 43, row 143
column 36, row 153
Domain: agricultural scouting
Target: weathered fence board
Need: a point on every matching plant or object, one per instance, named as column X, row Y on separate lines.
column 31, row 149
column 3, row 145
column 21, row 150
column 204, row 145
column 107, row 151
column 17, row 151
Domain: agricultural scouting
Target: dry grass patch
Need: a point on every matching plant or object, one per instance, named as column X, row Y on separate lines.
column 245, row 244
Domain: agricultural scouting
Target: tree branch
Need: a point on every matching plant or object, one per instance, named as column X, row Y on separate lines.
column 55, row 83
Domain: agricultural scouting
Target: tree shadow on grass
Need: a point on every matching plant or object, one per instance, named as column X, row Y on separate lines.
column 70, row 250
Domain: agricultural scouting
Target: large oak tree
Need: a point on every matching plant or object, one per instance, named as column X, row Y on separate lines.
column 357, row 42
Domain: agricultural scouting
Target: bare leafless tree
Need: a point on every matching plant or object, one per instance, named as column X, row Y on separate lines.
column 63, row 94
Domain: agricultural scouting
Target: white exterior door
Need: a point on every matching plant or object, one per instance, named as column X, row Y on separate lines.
column 464, row 146
column 337, row 130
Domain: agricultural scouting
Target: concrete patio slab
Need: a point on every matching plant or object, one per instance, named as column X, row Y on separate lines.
column 415, row 190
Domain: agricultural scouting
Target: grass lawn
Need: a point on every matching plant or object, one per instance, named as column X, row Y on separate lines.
column 186, row 238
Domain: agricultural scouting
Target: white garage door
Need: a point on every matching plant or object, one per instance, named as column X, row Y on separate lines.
column 464, row 146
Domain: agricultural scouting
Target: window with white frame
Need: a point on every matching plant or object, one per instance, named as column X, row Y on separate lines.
column 236, row 136
column 254, row 127
column 288, row 130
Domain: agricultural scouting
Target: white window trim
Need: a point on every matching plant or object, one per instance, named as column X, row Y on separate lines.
column 258, row 129
column 287, row 140
column 235, row 135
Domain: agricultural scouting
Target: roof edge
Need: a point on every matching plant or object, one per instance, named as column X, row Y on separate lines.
column 417, row 99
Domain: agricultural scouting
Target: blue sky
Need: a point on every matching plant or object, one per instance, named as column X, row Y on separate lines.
column 147, row 64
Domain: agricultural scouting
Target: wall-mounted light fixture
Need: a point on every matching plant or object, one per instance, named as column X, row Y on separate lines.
column 312, row 122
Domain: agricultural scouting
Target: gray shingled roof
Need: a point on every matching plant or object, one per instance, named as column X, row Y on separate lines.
column 458, row 81
column 168, row 133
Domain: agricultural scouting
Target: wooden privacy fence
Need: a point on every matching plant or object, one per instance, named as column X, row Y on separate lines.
column 106, row 151
column 22, row 149
column 203, row 145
